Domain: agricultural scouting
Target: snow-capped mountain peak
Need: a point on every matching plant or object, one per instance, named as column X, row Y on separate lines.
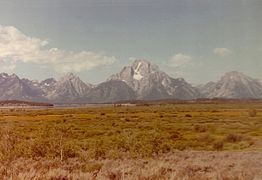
column 149, row 82
column 144, row 67
column 139, row 81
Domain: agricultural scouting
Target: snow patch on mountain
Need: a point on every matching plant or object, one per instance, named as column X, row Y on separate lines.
column 151, row 83
column 139, row 81
column 137, row 74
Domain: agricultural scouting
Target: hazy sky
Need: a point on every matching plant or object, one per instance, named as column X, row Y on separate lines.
column 197, row 39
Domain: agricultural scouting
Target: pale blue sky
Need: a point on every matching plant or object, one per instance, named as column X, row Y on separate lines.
column 196, row 39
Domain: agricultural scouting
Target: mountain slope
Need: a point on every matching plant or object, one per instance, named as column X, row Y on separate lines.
column 139, row 81
column 111, row 91
column 150, row 83
column 69, row 89
column 14, row 88
column 233, row 85
column 47, row 85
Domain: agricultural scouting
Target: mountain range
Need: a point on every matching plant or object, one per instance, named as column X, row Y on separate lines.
column 139, row 81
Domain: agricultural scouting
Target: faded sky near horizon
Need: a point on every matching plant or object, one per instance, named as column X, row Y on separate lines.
column 199, row 40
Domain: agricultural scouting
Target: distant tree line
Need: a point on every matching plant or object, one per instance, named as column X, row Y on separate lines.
column 23, row 103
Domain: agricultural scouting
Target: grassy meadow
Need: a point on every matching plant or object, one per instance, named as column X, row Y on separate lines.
column 136, row 133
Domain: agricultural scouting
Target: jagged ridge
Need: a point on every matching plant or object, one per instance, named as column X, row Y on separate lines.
column 139, row 81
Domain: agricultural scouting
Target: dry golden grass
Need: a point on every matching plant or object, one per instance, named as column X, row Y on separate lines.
column 180, row 165
column 109, row 142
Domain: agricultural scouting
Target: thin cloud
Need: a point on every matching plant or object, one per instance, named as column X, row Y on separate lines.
column 222, row 52
column 17, row 47
column 180, row 60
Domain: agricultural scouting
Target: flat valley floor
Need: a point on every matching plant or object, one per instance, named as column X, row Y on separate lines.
column 175, row 141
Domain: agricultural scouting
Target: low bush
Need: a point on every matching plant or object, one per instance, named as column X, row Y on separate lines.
column 252, row 112
column 218, row 145
column 188, row 115
column 200, row 128
column 233, row 138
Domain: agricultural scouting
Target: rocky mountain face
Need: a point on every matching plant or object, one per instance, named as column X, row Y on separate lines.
column 139, row 81
column 111, row 91
column 11, row 87
column 47, row 85
column 69, row 88
column 150, row 83
column 233, row 85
